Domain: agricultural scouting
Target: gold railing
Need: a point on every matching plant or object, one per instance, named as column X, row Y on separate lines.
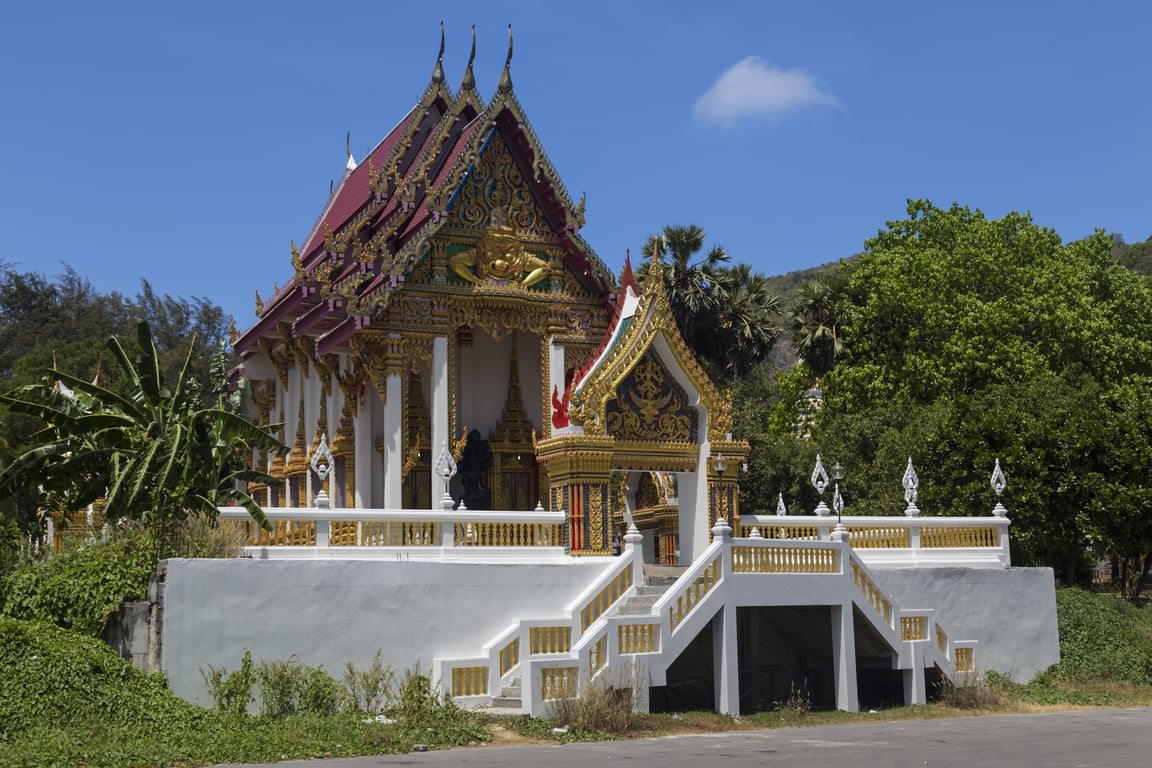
column 687, row 601
column 958, row 536
column 606, row 598
column 284, row 533
column 964, row 660
column 761, row 559
column 873, row 537
column 783, row 532
column 399, row 533
column 509, row 656
column 598, row 655
column 555, row 639
column 638, row 638
column 346, row 534
column 470, row 681
column 508, row 534
column 913, row 628
column 941, row 640
column 872, row 593
column 558, row 682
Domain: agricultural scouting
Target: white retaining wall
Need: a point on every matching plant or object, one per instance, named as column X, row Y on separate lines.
column 328, row 612
column 1010, row 612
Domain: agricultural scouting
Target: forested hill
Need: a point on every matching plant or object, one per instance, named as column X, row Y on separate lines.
column 1136, row 256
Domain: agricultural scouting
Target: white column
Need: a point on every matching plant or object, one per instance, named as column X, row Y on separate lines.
column 726, row 662
column 915, row 688
column 555, row 379
column 365, row 450
column 439, row 407
column 393, row 435
column 844, row 658
column 693, row 509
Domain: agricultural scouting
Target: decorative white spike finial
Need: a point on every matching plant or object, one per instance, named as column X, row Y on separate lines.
column 445, row 469
column 781, row 510
column 911, row 485
column 999, row 483
column 322, row 465
column 820, row 482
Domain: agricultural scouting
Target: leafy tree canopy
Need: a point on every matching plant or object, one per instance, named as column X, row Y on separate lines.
column 967, row 339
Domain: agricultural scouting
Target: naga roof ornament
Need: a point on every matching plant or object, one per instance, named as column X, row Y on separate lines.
column 505, row 85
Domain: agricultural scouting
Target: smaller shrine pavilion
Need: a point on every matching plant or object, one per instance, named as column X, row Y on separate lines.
column 445, row 297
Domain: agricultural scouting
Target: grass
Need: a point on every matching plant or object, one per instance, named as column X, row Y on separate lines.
column 66, row 700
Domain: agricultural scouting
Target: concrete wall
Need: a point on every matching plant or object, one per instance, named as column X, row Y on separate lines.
column 1011, row 612
column 328, row 612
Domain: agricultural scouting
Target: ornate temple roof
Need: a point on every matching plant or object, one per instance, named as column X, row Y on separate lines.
column 378, row 219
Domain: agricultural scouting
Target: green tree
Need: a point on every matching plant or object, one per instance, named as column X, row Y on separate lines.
column 967, row 339
column 744, row 318
column 155, row 452
column 815, row 321
column 725, row 314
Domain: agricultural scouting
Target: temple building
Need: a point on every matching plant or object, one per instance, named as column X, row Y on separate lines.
column 445, row 297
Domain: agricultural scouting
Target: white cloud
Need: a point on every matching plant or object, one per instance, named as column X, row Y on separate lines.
column 752, row 87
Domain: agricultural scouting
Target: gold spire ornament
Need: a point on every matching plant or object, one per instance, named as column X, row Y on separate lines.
column 505, row 85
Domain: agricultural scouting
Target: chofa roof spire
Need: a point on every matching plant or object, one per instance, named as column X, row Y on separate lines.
column 438, row 71
column 505, row 85
column 469, row 81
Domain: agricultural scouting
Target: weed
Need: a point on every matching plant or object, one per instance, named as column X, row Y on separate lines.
column 969, row 691
column 201, row 535
column 368, row 688
column 231, row 691
column 606, row 705
column 799, row 701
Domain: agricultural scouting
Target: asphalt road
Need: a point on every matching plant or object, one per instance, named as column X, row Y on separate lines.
column 1108, row 738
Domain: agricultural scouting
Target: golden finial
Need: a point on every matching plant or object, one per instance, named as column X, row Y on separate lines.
column 578, row 214
column 259, row 304
column 505, row 85
column 438, row 72
column 297, row 262
column 348, row 144
column 233, row 334
column 469, row 81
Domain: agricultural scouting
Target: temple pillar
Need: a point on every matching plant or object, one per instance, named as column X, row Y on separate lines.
column 394, row 425
column 362, row 462
column 439, row 406
column 579, row 470
column 693, row 515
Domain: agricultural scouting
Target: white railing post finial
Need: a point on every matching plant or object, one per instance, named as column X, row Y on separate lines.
column 820, row 482
column 911, row 485
column 781, row 510
column 322, row 465
column 999, row 483
column 445, row 469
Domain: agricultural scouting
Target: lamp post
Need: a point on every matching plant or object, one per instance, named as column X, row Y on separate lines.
column 837, row 499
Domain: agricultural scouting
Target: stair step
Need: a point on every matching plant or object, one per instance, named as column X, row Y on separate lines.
column 663, row 571
column 506, row 702
column 511, row 691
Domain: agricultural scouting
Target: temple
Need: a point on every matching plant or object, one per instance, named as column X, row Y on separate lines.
column 445, row 296
column 480, row 414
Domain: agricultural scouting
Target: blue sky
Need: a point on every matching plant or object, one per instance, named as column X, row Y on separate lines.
column 188, row 142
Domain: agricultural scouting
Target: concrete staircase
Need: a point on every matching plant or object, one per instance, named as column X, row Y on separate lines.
column 657, row 580
column 509, row 702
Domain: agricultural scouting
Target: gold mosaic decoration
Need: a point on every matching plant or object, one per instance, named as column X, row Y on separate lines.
column 650, row 405
column 496, row 184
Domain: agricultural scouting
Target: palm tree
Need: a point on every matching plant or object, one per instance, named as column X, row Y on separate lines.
column 691, row 286
column 744, row 318
column 154, row 453
column 815, row 321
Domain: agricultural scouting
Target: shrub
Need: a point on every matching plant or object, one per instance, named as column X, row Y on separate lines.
column 368, row 688
column 201, row 535
column 231, row 691
column 79, row 589
column 969, row 691
column 53, row 677
column 1103, row 638
column 288, row 687
column 605, row 706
